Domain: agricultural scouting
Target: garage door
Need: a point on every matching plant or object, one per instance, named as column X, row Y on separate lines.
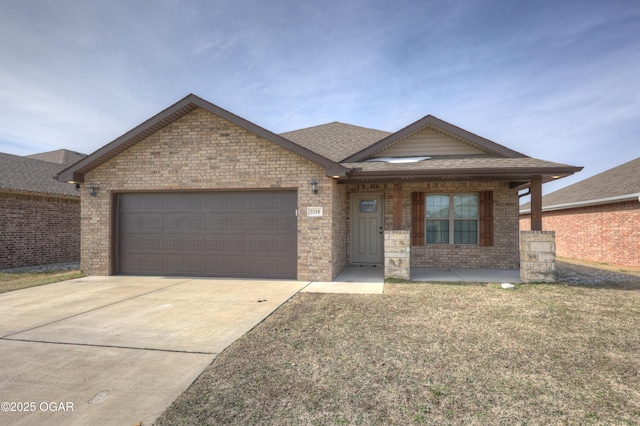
column 225, row 234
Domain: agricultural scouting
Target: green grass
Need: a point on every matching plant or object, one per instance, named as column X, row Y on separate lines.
column 20, row 280
column 430, row 354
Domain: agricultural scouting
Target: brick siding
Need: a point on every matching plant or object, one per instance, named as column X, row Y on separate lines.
column 607, row 233
column 201, row 151
column 504, row 254
column 38, row 230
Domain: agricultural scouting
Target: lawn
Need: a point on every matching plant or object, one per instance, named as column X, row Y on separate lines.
column 10, row 281
column 431, row 354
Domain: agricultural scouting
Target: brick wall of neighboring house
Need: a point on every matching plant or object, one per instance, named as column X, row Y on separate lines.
column 504, row 254
column 203, row 151
column 607, row 233
column 38, row 230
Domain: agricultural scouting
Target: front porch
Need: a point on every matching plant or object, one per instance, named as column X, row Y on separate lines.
column 389, row 226
column 355, row 274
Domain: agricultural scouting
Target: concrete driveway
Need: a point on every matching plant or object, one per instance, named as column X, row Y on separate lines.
column 119, row 350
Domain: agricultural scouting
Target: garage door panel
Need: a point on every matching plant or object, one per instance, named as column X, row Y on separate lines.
column 241, row 234
column 202, row 266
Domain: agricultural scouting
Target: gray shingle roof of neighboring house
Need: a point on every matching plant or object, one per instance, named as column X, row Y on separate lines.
column 618, row 184
column 338, row 140
column 28, row 175
column 59, row 156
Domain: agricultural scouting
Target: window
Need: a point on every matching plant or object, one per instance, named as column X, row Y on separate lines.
column 452, row 218
column 484, row 220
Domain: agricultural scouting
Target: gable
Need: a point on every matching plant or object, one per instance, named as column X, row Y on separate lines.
column 428, row 142
column 432, row 123
column 203, row 148
column 75, row 173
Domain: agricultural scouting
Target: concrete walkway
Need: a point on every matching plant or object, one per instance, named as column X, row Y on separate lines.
column 353, row 275
column 465, row 275
column 118, row 350
column 370, row 280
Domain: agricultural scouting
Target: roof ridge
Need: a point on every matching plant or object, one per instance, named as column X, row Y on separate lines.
column 27, row 158
column 335, row 122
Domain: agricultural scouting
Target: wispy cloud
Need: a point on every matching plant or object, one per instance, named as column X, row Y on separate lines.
column 553, row 79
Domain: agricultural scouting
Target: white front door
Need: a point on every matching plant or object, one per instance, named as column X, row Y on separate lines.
column 367, row 228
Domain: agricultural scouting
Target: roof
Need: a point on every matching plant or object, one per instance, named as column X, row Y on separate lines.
column 452, row 167
column 352, row 146
column 59, row 156
column 76, row 172
column 336, row 141
column 342, row 149
column 23, row 174
column 621, row 183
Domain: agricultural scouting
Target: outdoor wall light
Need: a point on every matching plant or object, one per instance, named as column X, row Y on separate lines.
column 314, row 186
column 91, row 188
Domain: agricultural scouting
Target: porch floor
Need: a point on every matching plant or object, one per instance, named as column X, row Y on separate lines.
column 376, row 275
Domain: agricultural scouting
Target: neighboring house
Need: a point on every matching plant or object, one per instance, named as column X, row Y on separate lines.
column 39, row 216
column 597, row 219
column 197, row 190
column 59, row 156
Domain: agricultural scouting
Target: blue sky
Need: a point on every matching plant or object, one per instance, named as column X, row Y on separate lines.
column 557, row 80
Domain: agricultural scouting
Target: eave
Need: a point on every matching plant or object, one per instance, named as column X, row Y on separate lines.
column 520, row 176
column 588, row 203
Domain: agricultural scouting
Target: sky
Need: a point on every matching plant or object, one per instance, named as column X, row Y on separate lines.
column 557, row 80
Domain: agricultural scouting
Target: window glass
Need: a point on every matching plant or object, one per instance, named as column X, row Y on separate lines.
column 437, row 206
column 368, row 206
column 465, row 232
column 437, row 231
column 465, row 205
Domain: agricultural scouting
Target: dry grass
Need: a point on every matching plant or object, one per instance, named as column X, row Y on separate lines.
column 430, row 354
column 19, row 280
column 601, row 266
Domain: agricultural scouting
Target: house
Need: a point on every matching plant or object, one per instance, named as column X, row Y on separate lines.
column 596, row 219
column 197, row 190
column 39, row 216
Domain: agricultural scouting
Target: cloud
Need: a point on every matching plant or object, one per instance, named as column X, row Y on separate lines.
column 547, row 78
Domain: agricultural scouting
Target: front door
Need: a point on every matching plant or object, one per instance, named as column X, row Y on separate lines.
column 367, row 228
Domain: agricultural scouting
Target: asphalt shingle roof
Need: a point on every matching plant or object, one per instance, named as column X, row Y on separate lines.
column 331, row 145
column 476, row 162
column 615, row 182
column 59, row 156
column 335, row 141
column 31, row 175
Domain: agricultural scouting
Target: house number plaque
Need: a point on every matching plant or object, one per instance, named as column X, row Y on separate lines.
column 314, row 211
